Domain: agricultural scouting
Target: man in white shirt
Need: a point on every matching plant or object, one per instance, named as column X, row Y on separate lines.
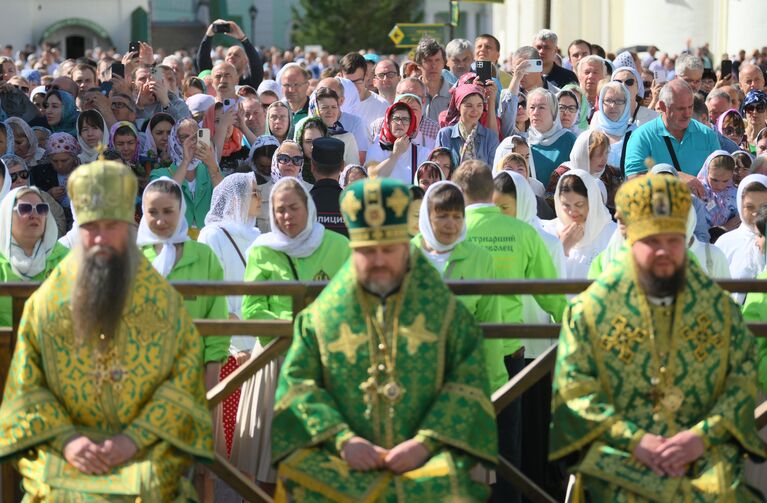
column 371, row 106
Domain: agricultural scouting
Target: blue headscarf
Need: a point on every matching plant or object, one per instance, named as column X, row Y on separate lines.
column 601, row 122
column 69, row 114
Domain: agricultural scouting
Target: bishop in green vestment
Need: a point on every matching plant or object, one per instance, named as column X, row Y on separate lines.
column 383, row 395
column 105, row 399
column 655, row 381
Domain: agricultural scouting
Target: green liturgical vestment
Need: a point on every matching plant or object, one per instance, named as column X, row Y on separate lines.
column 336, row 382
column 626, row 368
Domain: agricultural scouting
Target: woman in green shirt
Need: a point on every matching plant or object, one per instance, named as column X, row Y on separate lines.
column 29, row 249
column 442, row 240
column 298, row 248
column 162, row 236
column 194, row 168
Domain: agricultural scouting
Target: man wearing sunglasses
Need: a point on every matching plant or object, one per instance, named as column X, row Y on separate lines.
column 96, row 385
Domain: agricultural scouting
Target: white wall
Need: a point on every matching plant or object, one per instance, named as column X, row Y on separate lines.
column 727, row 25
column 31, row 18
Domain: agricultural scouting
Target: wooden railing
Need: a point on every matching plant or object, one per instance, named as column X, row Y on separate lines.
column 302, row 294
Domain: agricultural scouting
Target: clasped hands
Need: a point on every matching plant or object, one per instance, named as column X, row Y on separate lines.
column 96, row 459
column 669, row 456
column 364, row 456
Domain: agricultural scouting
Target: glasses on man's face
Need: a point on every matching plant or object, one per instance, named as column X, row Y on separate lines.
column 570, row 109
column 116, row 105
column 294, row 86
column 614, row 103
column 730, row 131
column 22, row 88
column 755, row 108
column 19, row 174
column 24, row 209
column 397, row 119
column 50, row 87
column 627, row 82
column 385, row 75
column 296, row 160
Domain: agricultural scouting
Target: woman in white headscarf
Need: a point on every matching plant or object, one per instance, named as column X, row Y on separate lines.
column 583, row 224
column 25, row 142
column 92, row 132
column 442, row 240
column 298, row 248
column 515, row 198
column 739, row 245
column 164, row 240
column 550, row 143
column 29, row 250
column 230, row 229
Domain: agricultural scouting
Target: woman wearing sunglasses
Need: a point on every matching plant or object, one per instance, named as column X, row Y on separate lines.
column 732, row 126
column 755, row 113
column 29, row 249
column 630, row 78
column 17, row 172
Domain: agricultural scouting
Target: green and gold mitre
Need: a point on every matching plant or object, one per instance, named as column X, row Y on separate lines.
column 103, row 190
column 653, row 204
column 375, row 211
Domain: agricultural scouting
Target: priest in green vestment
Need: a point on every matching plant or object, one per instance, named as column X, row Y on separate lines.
column 105, row 400
column 655, row 381
column 383, row 395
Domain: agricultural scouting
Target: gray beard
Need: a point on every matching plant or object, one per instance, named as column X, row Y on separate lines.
column 102, row 287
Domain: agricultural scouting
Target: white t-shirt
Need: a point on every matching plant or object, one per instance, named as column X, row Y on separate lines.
column 438, row 260
column 404, row 168
column 371, row 109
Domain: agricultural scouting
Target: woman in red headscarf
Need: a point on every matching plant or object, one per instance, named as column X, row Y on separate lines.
column 394, row 151
column 467, row 139
column 450, row 116
column 226, row 137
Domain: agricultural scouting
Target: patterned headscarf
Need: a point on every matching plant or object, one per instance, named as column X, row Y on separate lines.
column 62, row 143
column 113, row 131
column 176, row 148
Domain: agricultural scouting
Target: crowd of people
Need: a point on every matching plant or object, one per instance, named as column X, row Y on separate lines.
column 260, row 165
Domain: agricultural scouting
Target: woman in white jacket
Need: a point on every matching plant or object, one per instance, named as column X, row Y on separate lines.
column 230, row 229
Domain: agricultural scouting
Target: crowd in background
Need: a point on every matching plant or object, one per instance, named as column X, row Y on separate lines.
column 237, row 178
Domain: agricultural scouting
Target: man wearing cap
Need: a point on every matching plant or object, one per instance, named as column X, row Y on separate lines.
column 105, row 397
column 383, row 394
column 327, row 164
column 655, row 379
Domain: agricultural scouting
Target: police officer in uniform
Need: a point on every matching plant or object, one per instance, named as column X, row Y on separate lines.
column 327, row 164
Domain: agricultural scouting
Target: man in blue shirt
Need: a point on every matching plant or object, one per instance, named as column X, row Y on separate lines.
column 672, row 138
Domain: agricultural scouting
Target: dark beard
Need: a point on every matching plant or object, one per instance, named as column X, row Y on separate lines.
column 104, row 281
column 662, row 287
